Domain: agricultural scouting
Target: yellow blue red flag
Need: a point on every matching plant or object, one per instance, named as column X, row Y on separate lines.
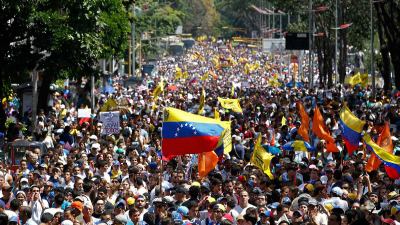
column 387, row 158
column 186, row 133
column 351, row 128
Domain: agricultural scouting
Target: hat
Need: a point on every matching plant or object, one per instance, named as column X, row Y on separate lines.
column 219, row 207
column 24, row 179
column 67, row 222
column 211, row 200
column 116, row 163
column 130, row 201
column 273, row 205
column 195, row 184
column 338, row 191
column 286, row 200
column 266, row 213
column 77, row 205
column 313, row 201
column 43, row 165
column 121, row 218
column 392, row 195
column 183, row 210
column 120, row 204
column 96, row 146
column 313, row 167
column 93, row 137
column 309, row 187
column 141, row 197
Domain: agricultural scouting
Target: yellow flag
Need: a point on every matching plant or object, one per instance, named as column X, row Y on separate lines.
column 261, row 158
column 232, row 91
column 247, row 69
column 185, row 75
column 364, row 80
column 202, row 102
column 178, row 73
column 108, row 105
column 359, row 78
column 205, row 76
column 283, row 121
column 232, row 104
column 226, row 137
column 216, row 114
column 158, row 90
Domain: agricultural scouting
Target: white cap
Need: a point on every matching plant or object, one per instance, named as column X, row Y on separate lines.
column 67, row 222
column 338, row 191
column 96, row 146
column 24, row 179
column 94, row 137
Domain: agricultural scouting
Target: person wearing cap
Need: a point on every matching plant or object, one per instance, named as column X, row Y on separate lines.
column 76, row 210
column 216, row 215
column 315, row 215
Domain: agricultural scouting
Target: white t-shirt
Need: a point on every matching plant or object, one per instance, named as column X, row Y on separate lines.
column 242, row 211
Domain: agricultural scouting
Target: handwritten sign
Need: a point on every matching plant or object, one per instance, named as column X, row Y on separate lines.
column 110, row 121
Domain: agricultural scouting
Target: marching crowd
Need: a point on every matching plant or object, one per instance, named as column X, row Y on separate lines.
column 86, row 177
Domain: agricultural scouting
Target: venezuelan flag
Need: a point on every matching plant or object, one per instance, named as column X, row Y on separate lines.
column 298, row 146
column 351, row 128
column 186, row 133
column 387, row 158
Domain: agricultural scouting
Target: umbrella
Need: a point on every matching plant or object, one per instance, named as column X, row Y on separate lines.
column 295, row 202
column 298, row 146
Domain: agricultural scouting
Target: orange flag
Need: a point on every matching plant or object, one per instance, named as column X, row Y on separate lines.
column 385, row 141
column 321, row 131
column 305, row 122
column 207, row 162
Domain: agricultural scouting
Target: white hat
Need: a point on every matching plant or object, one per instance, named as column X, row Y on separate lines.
column 24, row 179
column 338, row 191
column 96, row 146
column 67, row 222
column 94, row 137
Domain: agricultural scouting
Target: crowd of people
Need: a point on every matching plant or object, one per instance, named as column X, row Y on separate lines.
column 86, row 177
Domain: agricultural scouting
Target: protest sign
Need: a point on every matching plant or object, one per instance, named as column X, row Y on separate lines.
column 110, row 121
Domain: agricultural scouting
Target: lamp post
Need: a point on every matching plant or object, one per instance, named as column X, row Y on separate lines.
column 372, row 50
column 336, row 40
column 310, row 14
column 133, row 41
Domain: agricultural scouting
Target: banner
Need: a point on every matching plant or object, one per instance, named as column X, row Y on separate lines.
column 110, row 121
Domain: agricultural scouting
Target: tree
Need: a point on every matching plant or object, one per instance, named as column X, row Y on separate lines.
column 75, row 34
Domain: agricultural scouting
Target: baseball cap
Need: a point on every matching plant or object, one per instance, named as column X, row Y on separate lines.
column 24, row 180
column 93, row 137
column 219, row 207
column 183, row 210
column 121, row 218
column 266, row 213
column 338, row 191
column 77, row 205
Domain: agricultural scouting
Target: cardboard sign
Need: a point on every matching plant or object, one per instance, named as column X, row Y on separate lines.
column 110, row 121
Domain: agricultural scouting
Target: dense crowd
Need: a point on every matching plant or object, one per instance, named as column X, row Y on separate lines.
column 85, row 177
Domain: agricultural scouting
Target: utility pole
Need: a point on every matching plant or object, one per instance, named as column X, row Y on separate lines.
column 336, row 42
column 372, row 50
column 310, row 26
column 133, row 40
